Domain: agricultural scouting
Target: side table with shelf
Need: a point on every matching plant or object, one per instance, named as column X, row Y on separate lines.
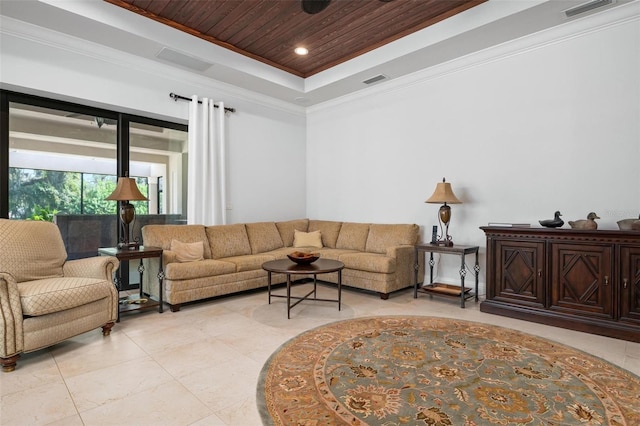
column 432, row 288
column 143, row 252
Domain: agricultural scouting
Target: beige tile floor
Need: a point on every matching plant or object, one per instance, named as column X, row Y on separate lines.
column 200, row 366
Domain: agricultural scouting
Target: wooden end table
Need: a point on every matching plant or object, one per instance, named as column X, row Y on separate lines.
column 288, row 267
column 445, row 289
column 141, row 253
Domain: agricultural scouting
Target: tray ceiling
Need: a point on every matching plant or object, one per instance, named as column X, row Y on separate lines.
column 269, row 30
column 112, row 33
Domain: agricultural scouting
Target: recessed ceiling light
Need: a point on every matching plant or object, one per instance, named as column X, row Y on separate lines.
column 301, row 50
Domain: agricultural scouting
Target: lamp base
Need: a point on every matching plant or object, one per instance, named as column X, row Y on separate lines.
column 442, row 243
column 128, row 246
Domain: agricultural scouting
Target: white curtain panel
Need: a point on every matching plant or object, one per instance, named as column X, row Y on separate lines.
column 206, row 187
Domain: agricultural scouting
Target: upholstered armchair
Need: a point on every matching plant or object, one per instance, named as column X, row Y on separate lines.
column 44, row 298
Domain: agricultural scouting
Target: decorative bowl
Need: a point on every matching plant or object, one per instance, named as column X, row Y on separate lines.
column 302, row 258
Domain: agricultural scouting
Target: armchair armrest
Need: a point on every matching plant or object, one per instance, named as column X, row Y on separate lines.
column 11, row 335
column 91, row 267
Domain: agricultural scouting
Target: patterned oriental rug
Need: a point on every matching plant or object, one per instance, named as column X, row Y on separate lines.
column 401, row 370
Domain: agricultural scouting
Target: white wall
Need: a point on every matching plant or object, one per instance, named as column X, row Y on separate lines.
column 549, row 122
column 266, row 140
column 543, row 124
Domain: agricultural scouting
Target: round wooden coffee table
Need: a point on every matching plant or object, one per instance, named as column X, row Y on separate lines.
column 288, row 267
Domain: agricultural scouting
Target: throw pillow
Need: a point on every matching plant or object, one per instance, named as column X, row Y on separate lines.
column 187, row 252
column 307, row 239
column 286, row 229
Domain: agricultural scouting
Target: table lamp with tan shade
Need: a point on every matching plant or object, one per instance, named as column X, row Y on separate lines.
column 443, row 194
column 127, row 190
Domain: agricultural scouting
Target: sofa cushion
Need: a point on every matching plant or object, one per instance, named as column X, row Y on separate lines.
column 162, row 235
column 382, row 236
column 228, row 240
column 287, row 229
column 371, row 262
column 353, row 236
column 263, row 236
column 307, row 239
column 251, row 262
column 329, row 230
column 57, row 294
column 188, row 252
column 202, row 268
column 334, row 254
column 31, row 250
column 280, row 253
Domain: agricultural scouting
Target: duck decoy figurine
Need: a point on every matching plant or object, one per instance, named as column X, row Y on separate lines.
column 629, row 224
column 588, row 223
column 556, row 222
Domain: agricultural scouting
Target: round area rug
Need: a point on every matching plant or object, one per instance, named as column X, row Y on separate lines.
column 400, row 370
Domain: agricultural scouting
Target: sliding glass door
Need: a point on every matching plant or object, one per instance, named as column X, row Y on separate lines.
column 158, row 153
column 59, row 161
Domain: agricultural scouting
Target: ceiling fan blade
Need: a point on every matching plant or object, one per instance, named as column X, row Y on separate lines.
column 101, row 121
column 314, row 6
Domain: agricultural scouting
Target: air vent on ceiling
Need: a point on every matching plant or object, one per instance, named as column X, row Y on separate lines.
column 375, row 79
column 181, row 59
column 586, row 7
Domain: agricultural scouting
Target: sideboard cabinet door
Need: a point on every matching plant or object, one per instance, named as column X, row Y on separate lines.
column 520, row 272
column 630, row 285
column 583, row 280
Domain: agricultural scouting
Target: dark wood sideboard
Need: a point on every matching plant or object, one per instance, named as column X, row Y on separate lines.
column 582, row 280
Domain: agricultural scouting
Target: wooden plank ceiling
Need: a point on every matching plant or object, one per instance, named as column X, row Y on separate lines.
column 269, row 30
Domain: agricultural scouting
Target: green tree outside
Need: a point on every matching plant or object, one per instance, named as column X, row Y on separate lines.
column 35, row 193
column 30, row 190
column 97, row 188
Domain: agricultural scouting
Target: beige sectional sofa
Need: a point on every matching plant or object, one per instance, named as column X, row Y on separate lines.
column 377, row 257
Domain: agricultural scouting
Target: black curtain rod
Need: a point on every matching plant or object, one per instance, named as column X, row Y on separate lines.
column 175, row 97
